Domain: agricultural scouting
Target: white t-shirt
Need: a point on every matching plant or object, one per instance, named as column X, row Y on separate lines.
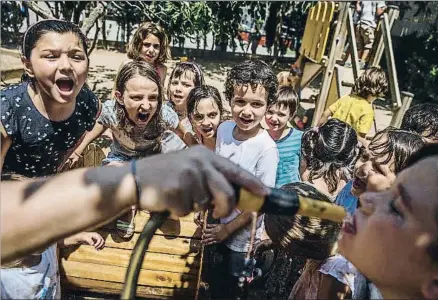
column 38, row 282
column 259, row 156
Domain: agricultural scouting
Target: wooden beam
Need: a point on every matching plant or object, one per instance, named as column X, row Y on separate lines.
column 328, row 74
column 352, row 44
column 120, row 258
column 400, row 112
column 114, row 288
column 389, row 54
column 117, row 274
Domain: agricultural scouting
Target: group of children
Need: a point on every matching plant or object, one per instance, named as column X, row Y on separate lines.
column 49, row 119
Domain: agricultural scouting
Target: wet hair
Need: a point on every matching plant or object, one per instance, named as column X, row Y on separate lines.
column 399, row 144
column 330, row 152
column 182, row 68
column 155, row 128
column 203, row 92
column 422, row 119
column 372, row 82
column 287, row 97
column 136, row 43
column 253, row 73
column 34, row 33
column 307, row 237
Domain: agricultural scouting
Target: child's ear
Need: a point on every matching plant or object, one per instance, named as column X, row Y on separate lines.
column 119, row 98
column 430, row 289
column 27, row 66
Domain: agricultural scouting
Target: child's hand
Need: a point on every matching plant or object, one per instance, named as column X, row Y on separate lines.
column 215, row 234
column 73, row 159
column 198, row 218
column 93, row 239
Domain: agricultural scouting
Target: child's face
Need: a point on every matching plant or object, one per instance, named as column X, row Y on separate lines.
column 277, row 117
column 59, row 65
column 374, row 166
column 248, row 106
column 180, row 88
column 388, row 236
column 150, row 48
column 140, row 100
column 206, row 118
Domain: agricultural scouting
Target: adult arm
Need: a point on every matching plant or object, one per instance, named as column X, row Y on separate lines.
column 325, row 116
column 36, row 211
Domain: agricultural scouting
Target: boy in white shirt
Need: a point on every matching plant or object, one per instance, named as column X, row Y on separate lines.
column 250, row 88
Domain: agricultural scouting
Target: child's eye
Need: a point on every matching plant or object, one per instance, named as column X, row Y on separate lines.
column 50, row 56
column 395, row 211
column 212, row 115
column 147, row 45
column 256, row 104
column 281, row 115
column 157, row 47
column 78, row 57
column 240, row 102
column 186, row 85
column 174, row 82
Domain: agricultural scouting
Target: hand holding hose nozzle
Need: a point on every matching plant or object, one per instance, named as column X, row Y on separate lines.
column 275, row 202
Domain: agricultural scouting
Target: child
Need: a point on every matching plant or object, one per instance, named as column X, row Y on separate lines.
column 150, row 44
column 328, row 155
column 46, row 116
column 422, row 119
column 288, row 140
column 205, row 111
column 356, row 109
column 185, row 77
column 136, row 120
column 36, row 276
column 250, row 88
column 393, row 237
column 388, row 153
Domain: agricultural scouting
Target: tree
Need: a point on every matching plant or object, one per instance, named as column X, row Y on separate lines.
column 12, row 16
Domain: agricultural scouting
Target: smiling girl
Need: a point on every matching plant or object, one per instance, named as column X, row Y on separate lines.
column 46, row 116
column 205, row 111
column 150, row 44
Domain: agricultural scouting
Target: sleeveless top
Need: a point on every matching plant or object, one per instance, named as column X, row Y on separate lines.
column 41, row 146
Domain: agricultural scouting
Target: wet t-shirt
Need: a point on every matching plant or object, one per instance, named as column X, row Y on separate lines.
column 40, row 146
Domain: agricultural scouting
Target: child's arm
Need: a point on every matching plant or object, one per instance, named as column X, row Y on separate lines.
column 325, row 116
column 217, row 233
column 90, row 238
column 90, row 136
column 163, row 71
column 185, row 135
column 6, row 142
column 331, row 288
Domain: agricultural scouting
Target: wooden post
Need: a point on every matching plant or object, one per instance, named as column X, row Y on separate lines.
column 389, row 54
column 352, row 45
column 328, row 74
column 400, row 112
column 376, row 57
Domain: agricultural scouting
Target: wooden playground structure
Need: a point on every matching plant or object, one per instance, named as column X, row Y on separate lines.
column 173, row 263
column 318, row 56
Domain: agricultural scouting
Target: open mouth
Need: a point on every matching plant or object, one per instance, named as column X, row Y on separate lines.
column 349, row 225
column 65, row 85
column 143, row 117
column 207, row 130
column 246, row 121
column 358, row 184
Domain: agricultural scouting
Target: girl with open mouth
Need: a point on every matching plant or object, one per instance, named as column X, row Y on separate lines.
column 137, row 119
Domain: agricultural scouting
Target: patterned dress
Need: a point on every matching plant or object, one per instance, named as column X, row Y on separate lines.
column 40, row 146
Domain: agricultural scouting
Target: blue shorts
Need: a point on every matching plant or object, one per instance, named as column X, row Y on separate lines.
column 117, row 157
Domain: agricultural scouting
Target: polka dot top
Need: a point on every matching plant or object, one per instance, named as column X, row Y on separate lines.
column 40, row 146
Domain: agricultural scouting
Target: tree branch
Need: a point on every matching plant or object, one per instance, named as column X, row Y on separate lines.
column 39, row 11
column 96, row 34
column 95, row 14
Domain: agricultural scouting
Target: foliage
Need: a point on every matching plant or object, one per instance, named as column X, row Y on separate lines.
column 12, row 17
column 418, row 68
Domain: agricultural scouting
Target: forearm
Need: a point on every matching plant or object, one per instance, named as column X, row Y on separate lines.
column 361, row 137
column 90, row 136
column 70, row 241
column 78, row 200
column 241, row 221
